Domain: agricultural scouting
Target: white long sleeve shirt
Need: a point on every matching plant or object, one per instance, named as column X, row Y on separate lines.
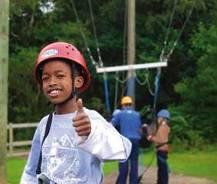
column 69, row 159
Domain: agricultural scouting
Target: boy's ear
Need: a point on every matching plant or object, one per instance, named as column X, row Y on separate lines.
column 79, row 81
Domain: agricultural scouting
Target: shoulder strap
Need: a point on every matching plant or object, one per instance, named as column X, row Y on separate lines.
column 47, row 129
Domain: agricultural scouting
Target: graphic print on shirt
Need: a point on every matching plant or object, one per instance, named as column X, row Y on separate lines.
column 62, row 161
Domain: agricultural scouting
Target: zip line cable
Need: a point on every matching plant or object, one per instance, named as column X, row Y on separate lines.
column 82, row 34
column 106, row 90
column 94, row 32
column 183, row 27
column 167, row 56
column 169, row 25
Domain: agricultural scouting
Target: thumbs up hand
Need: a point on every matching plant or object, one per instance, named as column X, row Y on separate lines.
column 81, row 121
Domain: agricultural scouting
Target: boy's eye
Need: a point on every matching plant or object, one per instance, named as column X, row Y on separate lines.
column 60, row 76
column 44, row 78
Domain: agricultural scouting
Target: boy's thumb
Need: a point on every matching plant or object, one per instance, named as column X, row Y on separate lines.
column 80, row 105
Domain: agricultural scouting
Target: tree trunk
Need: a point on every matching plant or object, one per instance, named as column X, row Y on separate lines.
column 4, row 27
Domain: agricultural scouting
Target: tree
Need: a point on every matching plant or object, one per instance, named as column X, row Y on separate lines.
column 199, row 92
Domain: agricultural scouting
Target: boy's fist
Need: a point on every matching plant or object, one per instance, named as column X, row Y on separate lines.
column 81, row 120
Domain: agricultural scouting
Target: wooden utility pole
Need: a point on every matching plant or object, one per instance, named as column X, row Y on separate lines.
column 131, row 48
column 4, row 27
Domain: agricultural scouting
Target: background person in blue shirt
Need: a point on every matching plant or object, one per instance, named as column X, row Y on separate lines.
column 128, row 122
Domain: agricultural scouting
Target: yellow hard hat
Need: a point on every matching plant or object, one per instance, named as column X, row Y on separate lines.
column 126, row 100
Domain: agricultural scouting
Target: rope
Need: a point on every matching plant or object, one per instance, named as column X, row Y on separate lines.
column 180, row 33
column 121, row 81
column 116, row 92
column 157, row 87
column 82, row 34
column 149, row 87
column 142, row 83
column 146, row 81
column 94, row 32
column 106, row 92
column 169, row 26
column 148, row 166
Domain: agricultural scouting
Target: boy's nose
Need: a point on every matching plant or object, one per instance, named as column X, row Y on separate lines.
column 52, row 81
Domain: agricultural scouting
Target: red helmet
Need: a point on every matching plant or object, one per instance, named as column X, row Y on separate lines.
column 66, row 51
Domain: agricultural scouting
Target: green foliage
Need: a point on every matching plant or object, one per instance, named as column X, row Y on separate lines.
column 199, row 92
column 25, row 100
column 97, row 104
column 183, row 135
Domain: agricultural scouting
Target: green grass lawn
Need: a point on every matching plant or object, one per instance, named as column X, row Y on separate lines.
column 195, row 163
column 15, row 169
column 200, row 164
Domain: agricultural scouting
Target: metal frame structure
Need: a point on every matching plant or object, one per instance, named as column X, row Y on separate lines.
column 130, row 67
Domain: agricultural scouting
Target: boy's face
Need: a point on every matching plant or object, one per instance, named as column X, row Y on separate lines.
column 57, row 81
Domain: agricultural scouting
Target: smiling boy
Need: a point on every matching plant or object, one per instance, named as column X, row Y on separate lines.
column 70, row 144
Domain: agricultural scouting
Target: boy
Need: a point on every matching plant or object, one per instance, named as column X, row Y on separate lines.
column 72, row 149
column 161, row 140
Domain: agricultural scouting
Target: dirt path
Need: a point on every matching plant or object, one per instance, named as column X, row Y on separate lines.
column 150, row 178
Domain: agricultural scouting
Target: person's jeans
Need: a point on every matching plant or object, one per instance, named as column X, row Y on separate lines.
column 162, row 173
column 133, row 161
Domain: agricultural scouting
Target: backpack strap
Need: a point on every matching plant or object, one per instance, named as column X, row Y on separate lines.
column 47, row 129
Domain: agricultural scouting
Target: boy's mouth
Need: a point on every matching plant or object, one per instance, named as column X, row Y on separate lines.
column 53, row 92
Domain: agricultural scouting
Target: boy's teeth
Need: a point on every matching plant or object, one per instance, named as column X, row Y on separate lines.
column 54, row 92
